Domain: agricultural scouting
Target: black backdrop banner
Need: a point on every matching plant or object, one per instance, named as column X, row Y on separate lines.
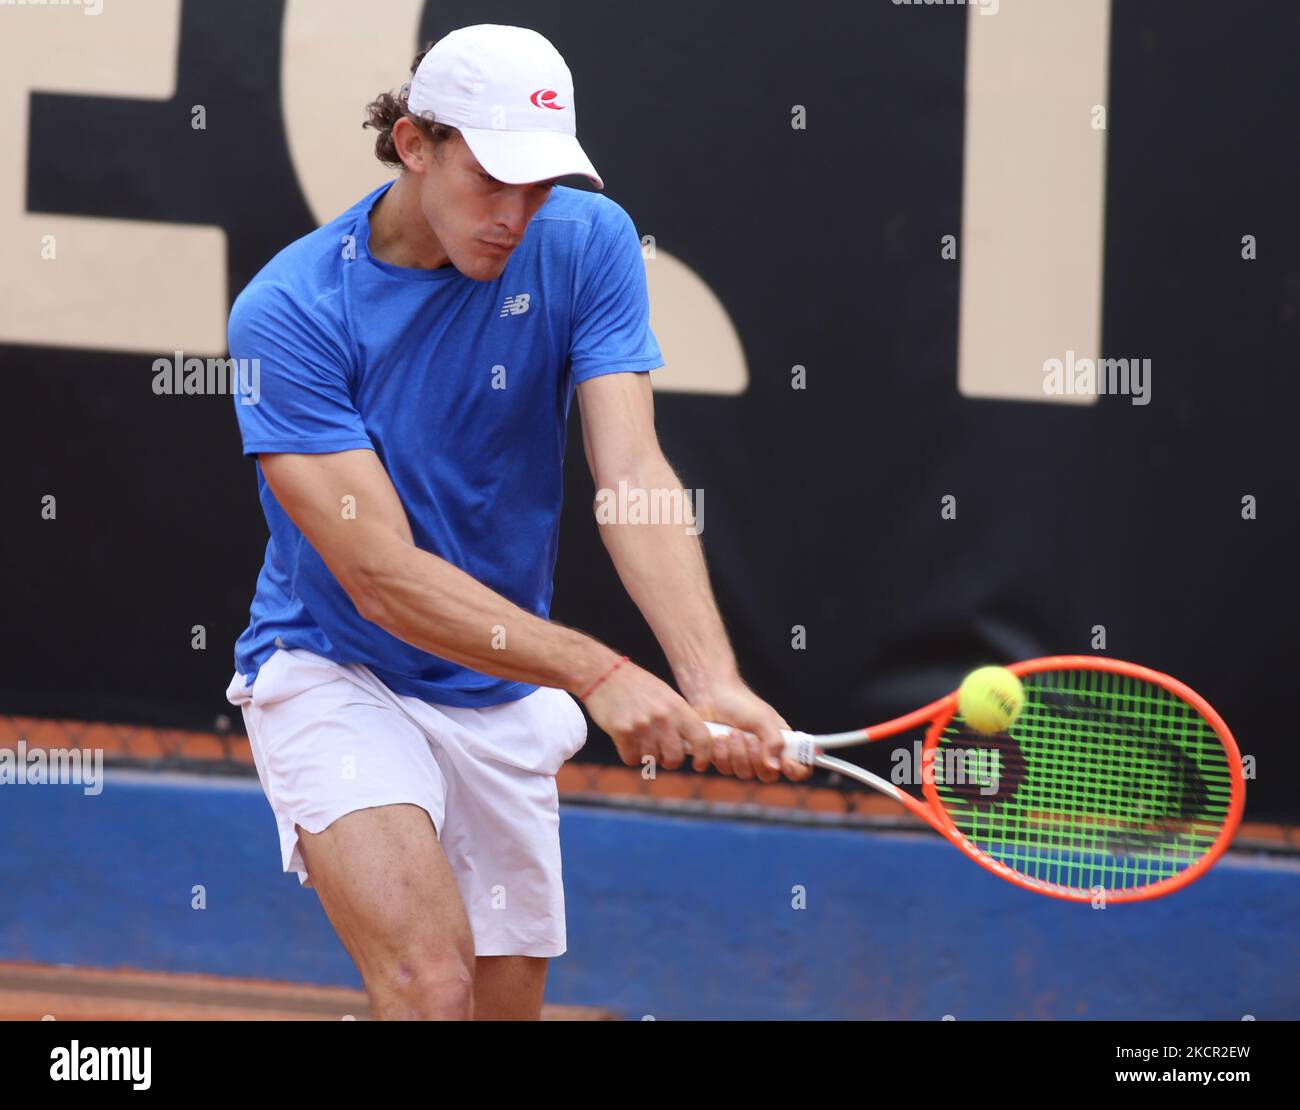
column 849, row 596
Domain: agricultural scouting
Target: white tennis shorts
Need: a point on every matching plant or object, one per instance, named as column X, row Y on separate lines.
column 329, row 739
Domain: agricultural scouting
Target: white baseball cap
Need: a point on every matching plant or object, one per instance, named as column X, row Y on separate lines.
column 508, row 91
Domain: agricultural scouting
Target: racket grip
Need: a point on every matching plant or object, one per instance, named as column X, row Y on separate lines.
column 799, row 746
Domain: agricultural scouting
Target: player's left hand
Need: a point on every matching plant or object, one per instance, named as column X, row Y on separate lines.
column 756, row 747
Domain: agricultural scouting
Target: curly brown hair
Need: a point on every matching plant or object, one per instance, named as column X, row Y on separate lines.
column 387, row 108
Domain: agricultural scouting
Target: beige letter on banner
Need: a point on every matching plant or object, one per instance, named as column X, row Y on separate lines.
column 113, row 285
column 1033, row 202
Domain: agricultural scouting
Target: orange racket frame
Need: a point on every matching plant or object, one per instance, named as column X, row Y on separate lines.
column 937, row 715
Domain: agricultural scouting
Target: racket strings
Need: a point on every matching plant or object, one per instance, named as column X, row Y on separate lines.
column 1105, row 780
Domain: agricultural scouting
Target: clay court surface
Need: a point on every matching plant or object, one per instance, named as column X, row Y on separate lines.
column 31, row 992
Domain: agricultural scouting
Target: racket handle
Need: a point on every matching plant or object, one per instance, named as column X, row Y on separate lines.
column 799, row 746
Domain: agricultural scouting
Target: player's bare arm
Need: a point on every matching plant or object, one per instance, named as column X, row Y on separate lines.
column 432, row 604
column 661, row 565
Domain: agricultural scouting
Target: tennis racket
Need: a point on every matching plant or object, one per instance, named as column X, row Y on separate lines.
column 1115, row 781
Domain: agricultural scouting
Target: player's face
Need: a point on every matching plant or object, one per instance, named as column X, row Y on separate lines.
column 469, row 210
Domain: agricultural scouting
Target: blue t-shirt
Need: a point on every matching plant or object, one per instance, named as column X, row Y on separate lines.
column 358, row 353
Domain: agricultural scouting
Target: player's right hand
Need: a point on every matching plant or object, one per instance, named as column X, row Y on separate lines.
column 644, row 716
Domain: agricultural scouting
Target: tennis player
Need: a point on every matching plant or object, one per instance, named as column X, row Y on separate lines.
column 407, row 700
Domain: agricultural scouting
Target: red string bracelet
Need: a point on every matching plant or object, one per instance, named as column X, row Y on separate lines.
column 621, row 661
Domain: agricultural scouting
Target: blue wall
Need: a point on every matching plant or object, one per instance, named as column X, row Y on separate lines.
column 669, row 916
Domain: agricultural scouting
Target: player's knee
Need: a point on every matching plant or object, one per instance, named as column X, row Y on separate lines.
column 426, row 987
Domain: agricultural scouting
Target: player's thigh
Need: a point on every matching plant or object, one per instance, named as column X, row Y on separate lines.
column 389, row 892
column 509, row 988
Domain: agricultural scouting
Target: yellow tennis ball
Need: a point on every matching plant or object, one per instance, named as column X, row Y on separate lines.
column 990, row 699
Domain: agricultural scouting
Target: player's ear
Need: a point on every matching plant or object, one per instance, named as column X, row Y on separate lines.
column 410, row 145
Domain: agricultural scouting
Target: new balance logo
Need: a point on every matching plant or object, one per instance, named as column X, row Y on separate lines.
column 517, row 305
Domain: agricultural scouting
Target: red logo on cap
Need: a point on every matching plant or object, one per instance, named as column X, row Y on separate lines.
column 544, row 98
